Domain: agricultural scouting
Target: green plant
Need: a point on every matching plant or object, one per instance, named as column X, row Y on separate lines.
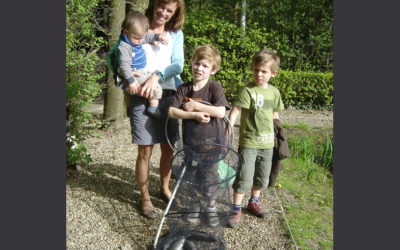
column 303, row 34
column 303, row 46
column 308, row 186
column 298, row 89
column 308, row 203
column 302, row 148
column 305, row 29
column 305, row 89
column 326, row 155
column 82, row 75
column 311, row 145
column 302, row 126
column 235, row 51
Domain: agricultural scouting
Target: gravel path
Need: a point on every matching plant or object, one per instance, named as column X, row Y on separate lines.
column 102, row 197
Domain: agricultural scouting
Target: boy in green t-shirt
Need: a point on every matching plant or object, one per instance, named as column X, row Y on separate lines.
column 259, row 104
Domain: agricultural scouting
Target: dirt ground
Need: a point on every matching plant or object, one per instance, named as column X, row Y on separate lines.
column 102, row 197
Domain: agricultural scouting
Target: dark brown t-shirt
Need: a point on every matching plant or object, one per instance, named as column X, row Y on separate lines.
column 195, row 133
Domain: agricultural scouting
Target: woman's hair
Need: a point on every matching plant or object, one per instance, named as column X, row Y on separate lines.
column 265, row 56
column 135, row 17
column 176, row 21
column 208, row 52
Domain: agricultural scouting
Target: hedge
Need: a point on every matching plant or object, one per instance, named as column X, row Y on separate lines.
column 301, row 89
column 304, row 89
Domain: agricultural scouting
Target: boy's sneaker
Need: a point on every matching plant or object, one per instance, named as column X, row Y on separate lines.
column 154, row 111
column 194, row 214
column 235, row 219
column 257, row 209
column 212, row 217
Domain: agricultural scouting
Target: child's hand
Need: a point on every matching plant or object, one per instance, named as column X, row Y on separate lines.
column 163, row 39
column 133, row 87
column 136, row 73
column 202, row 117
column 189, row 106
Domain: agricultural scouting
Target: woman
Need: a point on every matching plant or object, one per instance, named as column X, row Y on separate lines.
column 165, row 17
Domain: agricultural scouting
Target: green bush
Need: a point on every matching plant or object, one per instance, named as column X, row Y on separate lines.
column 236, row 51
column 303, row 33
column 305, row 89
column 298, row 89
column 82, row 75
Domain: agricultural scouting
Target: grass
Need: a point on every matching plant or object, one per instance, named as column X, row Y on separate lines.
column 307, row 184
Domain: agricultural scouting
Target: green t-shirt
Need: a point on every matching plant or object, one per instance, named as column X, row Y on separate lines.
column 256, row 121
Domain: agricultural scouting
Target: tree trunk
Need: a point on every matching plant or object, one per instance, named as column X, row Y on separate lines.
column 114, row 101
column 139, row 5
column 243, row 18
column 114, row 104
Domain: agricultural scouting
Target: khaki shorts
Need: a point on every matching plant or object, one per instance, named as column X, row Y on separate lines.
column 255, row 170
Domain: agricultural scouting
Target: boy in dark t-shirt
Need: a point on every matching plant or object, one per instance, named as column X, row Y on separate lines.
column 202, row 123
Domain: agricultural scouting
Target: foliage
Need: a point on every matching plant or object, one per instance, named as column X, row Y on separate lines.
column 305, row 89
column 298, row 89
column 326, row 155
column 306, row 29
column 81, row 74
column 302, row 29
column 311, row 145
column 236, row 50
column 308, row 188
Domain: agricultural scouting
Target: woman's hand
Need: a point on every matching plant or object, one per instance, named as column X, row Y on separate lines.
column 202, row 117
column 149, row 86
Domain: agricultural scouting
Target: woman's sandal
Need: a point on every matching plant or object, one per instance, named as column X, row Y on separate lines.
column 148, row 212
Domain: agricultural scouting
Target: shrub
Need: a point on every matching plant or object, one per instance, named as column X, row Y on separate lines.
column 305, row 89
column 303, row 33
column 236, row 50
column 81, row 75
column 298, row 89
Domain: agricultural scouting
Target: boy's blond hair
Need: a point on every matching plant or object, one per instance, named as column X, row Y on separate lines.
column 134, row 18
column 208, row 52
column 265, row 56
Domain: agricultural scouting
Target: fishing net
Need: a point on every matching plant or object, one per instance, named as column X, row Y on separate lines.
column 199, row 212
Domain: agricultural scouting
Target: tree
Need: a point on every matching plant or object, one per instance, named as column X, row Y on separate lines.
column 114, row 101
column 82, row 78
column 243, row 17
column 139, row 5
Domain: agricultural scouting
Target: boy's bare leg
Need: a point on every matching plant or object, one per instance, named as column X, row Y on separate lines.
column 237, row 198
column 165, row 168
column 254, row 206
column 255, row 191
